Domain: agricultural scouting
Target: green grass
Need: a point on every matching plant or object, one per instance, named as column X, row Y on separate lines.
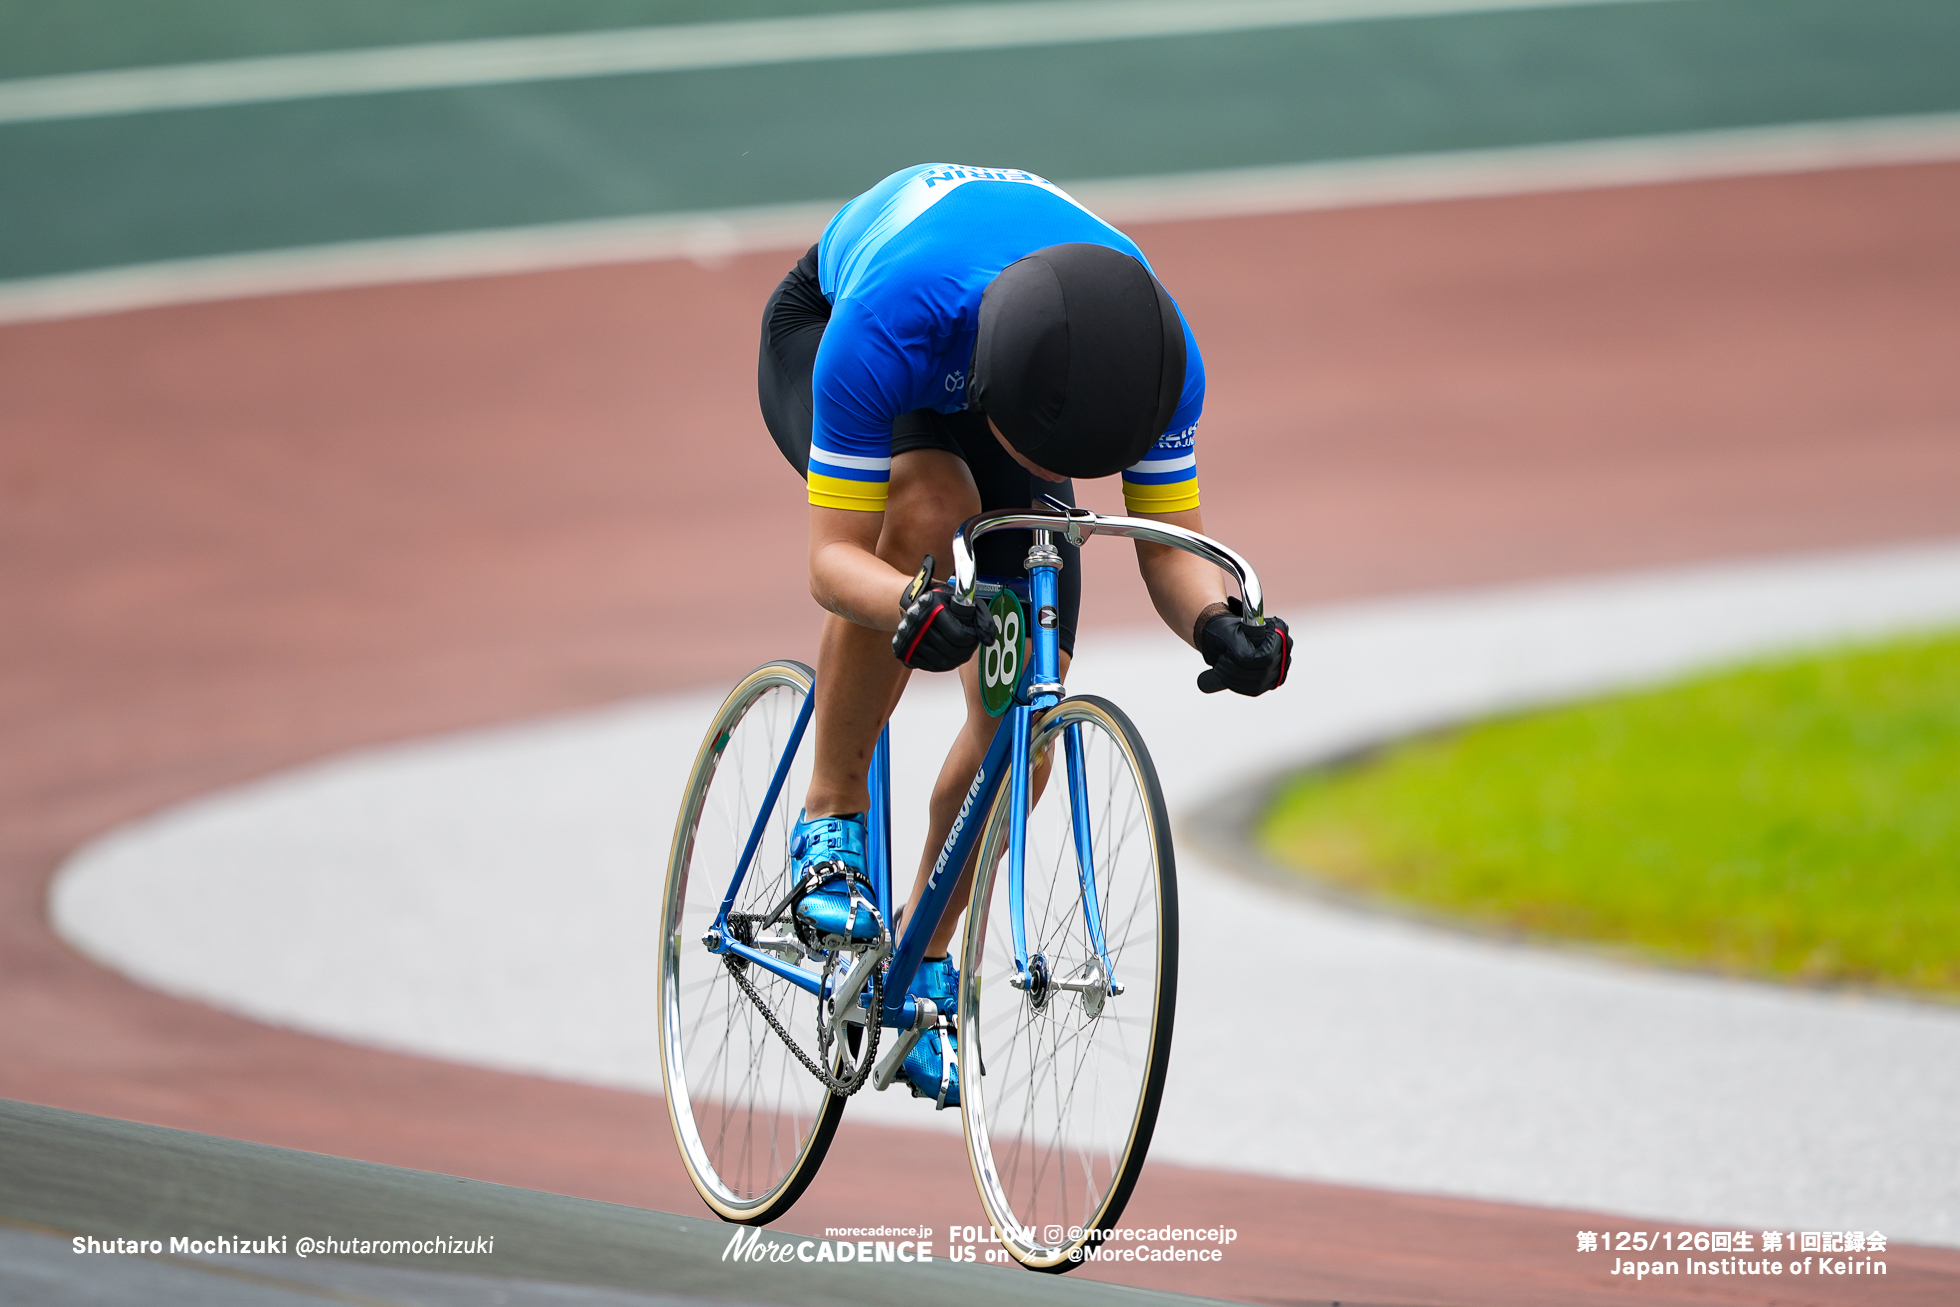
column 1795, row 820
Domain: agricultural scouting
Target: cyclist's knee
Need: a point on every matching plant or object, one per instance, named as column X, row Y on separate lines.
column 931, row 494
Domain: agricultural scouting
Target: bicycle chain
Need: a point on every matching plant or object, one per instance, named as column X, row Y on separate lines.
column 836, row 1084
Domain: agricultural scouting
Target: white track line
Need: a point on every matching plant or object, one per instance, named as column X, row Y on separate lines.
column 491, row 898
column 704, row 236
column 878, row 33
column 710, row 236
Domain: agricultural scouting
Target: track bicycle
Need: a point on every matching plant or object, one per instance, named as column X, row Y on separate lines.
column 1068, row 970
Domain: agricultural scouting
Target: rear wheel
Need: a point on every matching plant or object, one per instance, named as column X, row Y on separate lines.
column 1062, row 1067
column 752, row 1122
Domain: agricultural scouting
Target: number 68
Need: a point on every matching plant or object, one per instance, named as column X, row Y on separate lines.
column 1000, row 664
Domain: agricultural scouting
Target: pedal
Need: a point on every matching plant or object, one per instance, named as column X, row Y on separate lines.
column 949, row 1057
column 886, row 1071
column 949, row 1053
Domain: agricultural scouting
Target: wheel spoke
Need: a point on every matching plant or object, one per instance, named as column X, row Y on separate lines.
column 1068, row 1096
column 756, row 1122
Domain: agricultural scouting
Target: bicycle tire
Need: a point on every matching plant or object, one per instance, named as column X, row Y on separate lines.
column 752, row 1124
column 1057, row 1142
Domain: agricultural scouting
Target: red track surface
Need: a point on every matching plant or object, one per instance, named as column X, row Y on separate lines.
column 241, row 535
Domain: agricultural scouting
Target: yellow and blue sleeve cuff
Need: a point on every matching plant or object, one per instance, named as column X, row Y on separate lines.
column 850, row 481
column 1164, row 482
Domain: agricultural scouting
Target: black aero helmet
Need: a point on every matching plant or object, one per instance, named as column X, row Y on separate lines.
column 1080, row 359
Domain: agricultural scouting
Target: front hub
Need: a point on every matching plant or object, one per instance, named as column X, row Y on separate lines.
column 1039, row 990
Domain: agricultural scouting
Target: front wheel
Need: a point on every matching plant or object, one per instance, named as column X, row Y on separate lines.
column 1062, row 1065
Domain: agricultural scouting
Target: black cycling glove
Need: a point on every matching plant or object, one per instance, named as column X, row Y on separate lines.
column 936, row 634
column 1244, row 658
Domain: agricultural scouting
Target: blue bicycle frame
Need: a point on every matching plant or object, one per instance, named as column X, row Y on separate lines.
column 1008, row 759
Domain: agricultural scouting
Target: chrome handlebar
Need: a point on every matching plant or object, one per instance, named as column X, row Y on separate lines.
column 1077, row 524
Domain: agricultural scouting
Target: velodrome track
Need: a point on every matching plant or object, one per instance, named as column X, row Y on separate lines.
column 250, row 533
column 70, row 1173
column 293, row 576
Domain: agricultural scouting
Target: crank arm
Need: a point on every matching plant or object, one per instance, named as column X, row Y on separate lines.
column 886, row 1071
column 785, row 946
column 844, row 1002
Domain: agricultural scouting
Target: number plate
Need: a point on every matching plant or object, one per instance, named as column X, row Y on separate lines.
column 1005, row 661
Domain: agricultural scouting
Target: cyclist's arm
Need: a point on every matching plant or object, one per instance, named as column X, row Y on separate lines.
column 1181, row 585
column 862, row 378
column 846, row 575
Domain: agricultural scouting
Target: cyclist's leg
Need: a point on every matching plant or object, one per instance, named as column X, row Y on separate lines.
column 930, row 494
column 793, row 323
column 858, row 680
column 1000, row 483
column 962, row 760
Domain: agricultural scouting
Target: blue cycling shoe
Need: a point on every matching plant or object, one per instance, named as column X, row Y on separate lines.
column 830, row 910
column 932, row 1067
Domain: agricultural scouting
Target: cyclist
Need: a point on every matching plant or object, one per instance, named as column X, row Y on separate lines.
column 964, row 339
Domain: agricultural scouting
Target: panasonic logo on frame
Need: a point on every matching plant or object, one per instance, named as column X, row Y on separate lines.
column 959, row 824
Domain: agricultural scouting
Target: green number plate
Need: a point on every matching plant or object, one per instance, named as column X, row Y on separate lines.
column 1005, row 661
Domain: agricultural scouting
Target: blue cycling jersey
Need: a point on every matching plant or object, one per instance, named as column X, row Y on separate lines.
column 904, row 266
